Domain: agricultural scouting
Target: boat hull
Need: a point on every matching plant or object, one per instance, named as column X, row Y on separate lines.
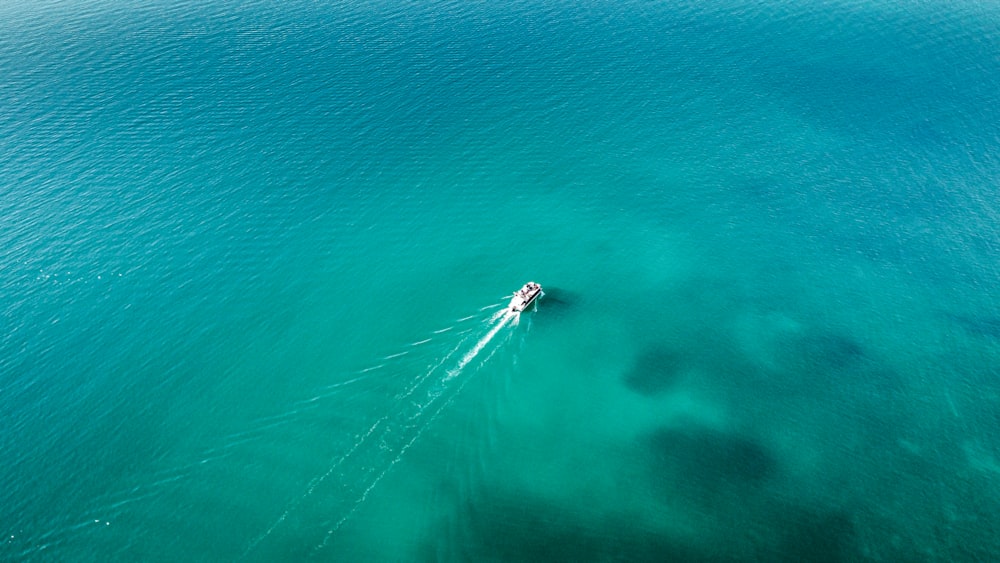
column 525, row 297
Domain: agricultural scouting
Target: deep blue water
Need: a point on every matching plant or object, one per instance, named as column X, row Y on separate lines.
column 254, row 257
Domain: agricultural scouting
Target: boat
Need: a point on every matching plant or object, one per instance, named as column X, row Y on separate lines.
column 524, row 297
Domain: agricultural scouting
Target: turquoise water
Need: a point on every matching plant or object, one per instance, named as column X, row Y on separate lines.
column 254, row 257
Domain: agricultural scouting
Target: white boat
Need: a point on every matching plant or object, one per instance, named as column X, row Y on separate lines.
column 524, row 297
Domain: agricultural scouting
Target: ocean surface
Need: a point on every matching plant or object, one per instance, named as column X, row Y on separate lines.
column 254, row 257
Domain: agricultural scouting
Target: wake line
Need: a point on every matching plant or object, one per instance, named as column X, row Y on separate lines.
column 383, row 444
column 504, row 317
column 336, row 463
column 175, row 474
column 471, row 354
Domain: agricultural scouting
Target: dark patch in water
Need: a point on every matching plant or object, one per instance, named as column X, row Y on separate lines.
column 522, row 527
column 980, row 325
column 710, row 457
column 560, row 297
column 822, row 537
column 830, row 350
column 519, row 525
column 655, row 370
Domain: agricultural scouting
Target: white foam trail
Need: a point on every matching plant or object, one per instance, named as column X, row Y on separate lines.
column 317, row 481
column 471, row 354
column 504, row 317
column 422, row 399
column 391, row 435
column 416, row 383
column 266, row 423
column 310, row 487
column 362, row 374
column 348, row 382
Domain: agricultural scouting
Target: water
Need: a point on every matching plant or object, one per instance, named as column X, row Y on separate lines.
column 254, row 253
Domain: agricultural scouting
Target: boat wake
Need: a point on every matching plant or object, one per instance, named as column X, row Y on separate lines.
column 403, row 393
column 334, row 496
